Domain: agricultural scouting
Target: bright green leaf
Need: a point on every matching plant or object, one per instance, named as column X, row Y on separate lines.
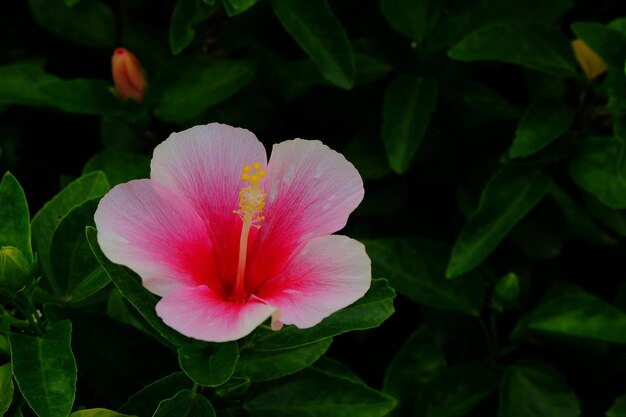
column 81, row 96
column 97, row 412
column 208, row 364
column 15, row 269
column 39, row 360
column 185, row 404
column 314, row 27
column 6, row 387
column 119, row 165
column 608, row 43
column 533, row 45
column 416, row 268
column 20, row 82
column 534, row 388
column 146, row 401
column 508, row 197
column 267, row 365
column 186, row 16
column 412, row 18
column 14, row 217
column 408, row 105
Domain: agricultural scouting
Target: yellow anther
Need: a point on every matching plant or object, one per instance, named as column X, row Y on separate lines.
column 261, row 173
column 256, row 165
column 254, row 178
column 245, row 177
column 246, row 168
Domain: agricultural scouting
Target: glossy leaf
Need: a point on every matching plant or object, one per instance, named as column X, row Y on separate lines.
column 208, row 364
column 418, row 361
column 187, row 86
column 608, row 43
column 407, row 108
column 533, row 45
column 89, row 22
column 146, row 401
column 317, row 392
column 416, row 268
column 14, row 217
column 46, row 220
column 37, row 361
column 368, row 312
column 267, row 365
column 119, row 166
column 599, row 167
column 313, row 26
column 129, row 284
column 413, row 19
column 186, row 16
column 20, row 82
column 81, row 96
column 535, row 388
column 542, row 123
column 580, row 314
column 6, row 387
column 185, row 404
column 507, row 198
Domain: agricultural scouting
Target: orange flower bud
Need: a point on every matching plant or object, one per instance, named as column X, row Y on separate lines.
column 128, row 75
column 591, row 64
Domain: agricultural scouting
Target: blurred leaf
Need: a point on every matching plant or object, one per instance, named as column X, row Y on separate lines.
column 46, row 220
column 185, row 404
column 186, row 16
column 408, row 106
column 38, row 360
column 81, row 96
column 614, row 219
column 530, row 44
column 418, row 361
column 208, row 364
column 77, row 274
column 486, row 104
column 185, row 87
column 6, row 387
column 448, row 31
column 117, row 133
column 535, row 388
column 235, row 7
column 119, row 165
column 316, row 392
column 599, row 168
column 370, row 62
column 368, row 312
column 542, row 123
column 14, row 217
column 412, row 18
column 499, row 10
column 97, row 412
column 146, row 401
column 267, row 365
column 454, row 392
column 416, row 268
column 577, row 313
column 506, row 292
column 367, row 154
column 609, row 43
column 20, row 82
column 509, row 195
column 89, row 22
column 314, row 27
column 619, row 408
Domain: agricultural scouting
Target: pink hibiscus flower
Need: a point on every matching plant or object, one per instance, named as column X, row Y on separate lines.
column 229, row 240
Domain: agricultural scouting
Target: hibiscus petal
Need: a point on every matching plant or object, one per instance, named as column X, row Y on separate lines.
column 202, row 314
column 311, row 190
column 328, row 274
column 151, row 230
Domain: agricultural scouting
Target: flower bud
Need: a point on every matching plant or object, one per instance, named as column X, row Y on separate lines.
column 15, row 271
column 590, row 62
column 128, row 75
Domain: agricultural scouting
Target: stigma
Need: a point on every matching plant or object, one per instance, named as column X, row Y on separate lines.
column 252, row 197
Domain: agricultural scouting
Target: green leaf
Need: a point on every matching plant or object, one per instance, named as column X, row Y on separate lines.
column 413, row 19
column 77, row 274
column 185, row 87
column 533, row 45
column 119, row 165
column 39, row 360
column 580, row 314
column 19, row 84
column 409, row 104
column 46, row 220
column 368, row 312
column 146, row 401
column 419, row 360
column 81, row 96
column 97, row 412
column 15, row 269
column 316, row 392
column 234, row 387
column 542, row 123
column 314, row 27
column 506, row 292
column 267, row 365
column 599, row 167
column 538, row 10
column 367, row 154
column 117, row 133
column 185, row 404
column 208, row 364
column 371, row 64
column 129, row 284
column 508, row 197
column 6, row 387
column 619, row 408
column 235, row 7
column 89, row 22
column 14, row 217
column 455, row 391
column 186, row 16
column 608, row 43
column 416, row 268
column 535, row 388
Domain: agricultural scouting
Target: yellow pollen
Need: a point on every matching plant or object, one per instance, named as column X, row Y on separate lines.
column 245, row 177
column 246, row 168
column 261, row 173
column 256, row 165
